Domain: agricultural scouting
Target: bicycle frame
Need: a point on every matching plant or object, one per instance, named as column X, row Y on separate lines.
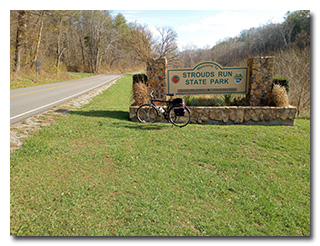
column 169, row 105
column 174, row 118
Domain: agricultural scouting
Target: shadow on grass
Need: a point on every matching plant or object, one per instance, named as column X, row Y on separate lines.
column 119, row 115
column 141, row 126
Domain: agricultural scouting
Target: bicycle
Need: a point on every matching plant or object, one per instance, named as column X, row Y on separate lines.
column 175, row 113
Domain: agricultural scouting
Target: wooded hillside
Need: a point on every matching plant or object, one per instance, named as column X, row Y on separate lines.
column 289, row 42
column 81, row 41
column 265, row 40
column 99, row 42
column 84, row 41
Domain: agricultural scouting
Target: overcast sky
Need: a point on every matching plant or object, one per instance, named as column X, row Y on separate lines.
column 204, row 27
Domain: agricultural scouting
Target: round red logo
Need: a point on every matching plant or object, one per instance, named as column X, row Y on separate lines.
column 175, row 79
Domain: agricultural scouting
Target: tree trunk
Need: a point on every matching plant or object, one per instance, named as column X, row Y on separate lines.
column 96, row 62
column 59, row 54
column 19, row 39
column 82, row 53
column 39, row 39
column 113, row 60
column 59, row 49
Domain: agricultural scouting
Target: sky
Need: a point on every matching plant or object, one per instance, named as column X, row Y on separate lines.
column 202, row 28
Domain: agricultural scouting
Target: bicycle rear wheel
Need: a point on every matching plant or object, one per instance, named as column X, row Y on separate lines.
column 147, row 113
column 180, row 121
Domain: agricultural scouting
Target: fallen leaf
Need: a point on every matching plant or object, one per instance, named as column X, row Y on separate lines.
column 230, row 199
column 108, row 156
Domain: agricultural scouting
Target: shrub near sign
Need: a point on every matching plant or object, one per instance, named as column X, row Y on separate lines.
column 208, row 78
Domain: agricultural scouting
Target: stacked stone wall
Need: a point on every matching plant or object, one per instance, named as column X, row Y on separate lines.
column 236, row 115
column 156, row 73
column 260, row 80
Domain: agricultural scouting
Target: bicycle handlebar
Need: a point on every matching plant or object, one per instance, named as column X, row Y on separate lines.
column 150, row 94
column 171, row 94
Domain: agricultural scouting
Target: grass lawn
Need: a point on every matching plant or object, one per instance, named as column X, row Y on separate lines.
column 22, row 81
column 95, row 173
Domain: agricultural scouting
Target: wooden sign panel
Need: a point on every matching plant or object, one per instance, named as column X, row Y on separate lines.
column 208, row 78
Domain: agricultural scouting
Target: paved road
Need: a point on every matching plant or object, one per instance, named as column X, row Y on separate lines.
column 26, row 102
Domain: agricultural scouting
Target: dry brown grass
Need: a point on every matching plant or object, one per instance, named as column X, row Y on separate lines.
column 279, row 96
column 139, row 93
column 295, row 65
column 28, row 77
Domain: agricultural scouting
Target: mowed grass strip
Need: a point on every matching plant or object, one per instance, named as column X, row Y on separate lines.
column 95, row 173
column 29, row 79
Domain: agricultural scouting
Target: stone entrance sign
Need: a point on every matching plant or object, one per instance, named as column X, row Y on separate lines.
column 255, row 80
column 208, row 78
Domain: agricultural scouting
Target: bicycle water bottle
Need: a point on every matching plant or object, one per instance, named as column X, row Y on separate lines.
column 161, row 110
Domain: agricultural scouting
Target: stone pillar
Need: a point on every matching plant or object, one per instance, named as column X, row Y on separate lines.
column 156, row 73
column 260, row 80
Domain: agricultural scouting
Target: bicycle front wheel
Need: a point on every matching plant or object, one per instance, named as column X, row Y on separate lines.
column 147, row 113
column 178, row 120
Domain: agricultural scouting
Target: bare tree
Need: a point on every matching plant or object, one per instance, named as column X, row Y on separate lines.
column 294, row 64
column 21, row 28
column 84, row 40
column 139, row 40
column 61, row 30
column 166, row 45
column 99, row 28
column 38, row 41
column 188, row 55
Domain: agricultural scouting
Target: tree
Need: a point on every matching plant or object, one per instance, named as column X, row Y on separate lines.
column 139, row 40
column 295, row 22
column 294, row 64
column 84, row 41
column 97, row 28
column 188, row 55
column 59, row 29
column 38, row 40
column 21, row 28
column 166, row 45
column 113, row 50
column 120, row 24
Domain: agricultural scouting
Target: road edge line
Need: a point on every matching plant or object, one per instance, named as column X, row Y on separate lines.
column 64, row 99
